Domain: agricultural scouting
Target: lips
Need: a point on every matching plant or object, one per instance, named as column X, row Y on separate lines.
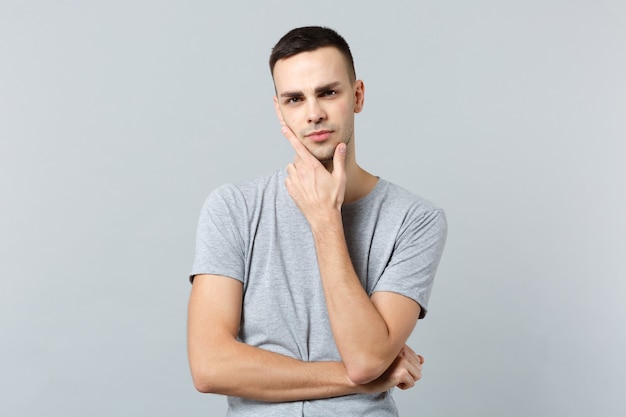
column 319, row 135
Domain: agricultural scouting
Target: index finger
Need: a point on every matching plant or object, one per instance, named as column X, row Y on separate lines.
column 300, row 149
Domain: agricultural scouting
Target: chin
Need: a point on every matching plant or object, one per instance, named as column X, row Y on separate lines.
column 324, row 153
column 326, row 160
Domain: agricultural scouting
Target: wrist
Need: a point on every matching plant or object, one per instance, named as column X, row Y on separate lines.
column 326, row 221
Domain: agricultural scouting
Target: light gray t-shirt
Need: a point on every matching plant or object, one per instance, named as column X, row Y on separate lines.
column 253, row 232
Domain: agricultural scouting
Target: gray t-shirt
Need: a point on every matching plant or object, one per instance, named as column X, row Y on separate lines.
column 253, row 232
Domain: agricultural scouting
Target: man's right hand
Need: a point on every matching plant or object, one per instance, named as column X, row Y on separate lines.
column 403, row 373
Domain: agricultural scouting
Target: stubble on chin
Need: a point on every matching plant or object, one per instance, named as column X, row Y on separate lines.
column 325, row 156
column 326, row 153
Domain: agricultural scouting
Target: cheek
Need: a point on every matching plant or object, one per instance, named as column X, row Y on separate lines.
column 346, row 110
column 291, row 120
column 289, row 116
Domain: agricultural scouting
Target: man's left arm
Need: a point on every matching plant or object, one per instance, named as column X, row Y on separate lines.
column 369, row 332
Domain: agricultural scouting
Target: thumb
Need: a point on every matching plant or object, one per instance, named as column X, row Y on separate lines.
column 339, row 160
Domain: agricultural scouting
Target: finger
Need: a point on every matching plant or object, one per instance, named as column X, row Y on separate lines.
column 415, row 370
column 291, row 169
column 297, row 146
column 408, row 349
column 288, row 133
column 291, row 181
column 406, row 381
column 339, row 160
column 412, row 365
column 418, row 374
column 297, row 161
column 412, row 353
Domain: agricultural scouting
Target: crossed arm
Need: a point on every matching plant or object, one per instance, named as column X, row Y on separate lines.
column 370, row 333
column 223, row 365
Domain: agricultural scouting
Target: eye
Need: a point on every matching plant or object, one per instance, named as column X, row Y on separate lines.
column 293, row 100
column 329, row 93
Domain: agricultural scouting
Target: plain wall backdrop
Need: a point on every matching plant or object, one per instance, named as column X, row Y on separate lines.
column 117, row 118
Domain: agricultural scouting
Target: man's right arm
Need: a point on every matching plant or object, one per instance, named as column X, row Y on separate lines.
column 223, row 365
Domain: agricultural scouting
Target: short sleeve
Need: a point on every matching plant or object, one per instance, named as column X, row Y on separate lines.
column 221, row 235
column 415, row 258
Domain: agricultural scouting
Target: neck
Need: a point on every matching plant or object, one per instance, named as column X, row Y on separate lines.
column 359, row 182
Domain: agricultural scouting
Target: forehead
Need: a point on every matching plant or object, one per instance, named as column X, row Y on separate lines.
column 310, row 69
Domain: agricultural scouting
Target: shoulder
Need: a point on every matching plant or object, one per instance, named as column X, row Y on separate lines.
column 412, row 207
column 401, row 197
column 246, row 191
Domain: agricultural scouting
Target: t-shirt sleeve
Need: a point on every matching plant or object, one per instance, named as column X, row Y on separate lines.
column 220, row 238
column 415, row 258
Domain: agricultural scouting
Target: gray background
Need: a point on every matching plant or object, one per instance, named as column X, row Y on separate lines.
column 118, row 117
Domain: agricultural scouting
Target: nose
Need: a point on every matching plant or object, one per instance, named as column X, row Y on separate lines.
column 316, row 112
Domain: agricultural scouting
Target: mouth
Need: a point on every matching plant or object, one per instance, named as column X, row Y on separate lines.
column 319, row 135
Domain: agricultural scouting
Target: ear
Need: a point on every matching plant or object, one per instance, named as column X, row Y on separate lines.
column 279, row 114
column 359, row 96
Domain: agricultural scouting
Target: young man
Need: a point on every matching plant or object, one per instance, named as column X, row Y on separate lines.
column 308, row 282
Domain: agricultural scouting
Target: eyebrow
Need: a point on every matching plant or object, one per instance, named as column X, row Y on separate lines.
column 329, row 86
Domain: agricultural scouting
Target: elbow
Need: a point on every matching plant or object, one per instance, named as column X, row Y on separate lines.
column 366, row 371
column 210, row 370
column 203, row 386
column 204, row 381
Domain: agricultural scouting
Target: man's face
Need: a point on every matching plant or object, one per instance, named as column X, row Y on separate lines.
column 317, row 100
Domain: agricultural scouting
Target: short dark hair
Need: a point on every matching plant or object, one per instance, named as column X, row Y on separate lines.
column 310, row 38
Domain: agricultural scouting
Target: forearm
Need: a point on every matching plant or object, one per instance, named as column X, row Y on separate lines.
column 221, row 364
column 237, row 369
column 362, row 336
